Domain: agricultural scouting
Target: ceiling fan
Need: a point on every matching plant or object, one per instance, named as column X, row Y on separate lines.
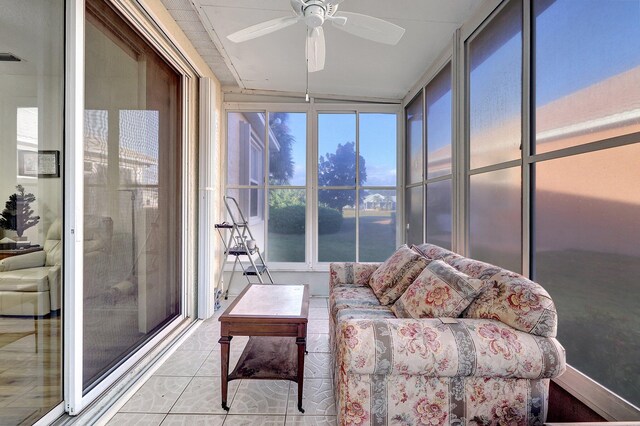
column 315, row 13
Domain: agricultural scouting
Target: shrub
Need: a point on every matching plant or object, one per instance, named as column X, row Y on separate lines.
column 291, row 220
column 329, row 220
column 287, row 220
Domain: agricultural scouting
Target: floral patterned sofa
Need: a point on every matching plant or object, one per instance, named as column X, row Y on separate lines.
column 490, row 365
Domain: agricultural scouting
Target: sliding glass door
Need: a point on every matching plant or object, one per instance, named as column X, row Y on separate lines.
column 133, row 197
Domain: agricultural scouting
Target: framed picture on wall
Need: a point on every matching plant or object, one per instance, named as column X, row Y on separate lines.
column 42, row 164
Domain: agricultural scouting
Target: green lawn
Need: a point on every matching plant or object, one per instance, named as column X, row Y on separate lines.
column 377, row 241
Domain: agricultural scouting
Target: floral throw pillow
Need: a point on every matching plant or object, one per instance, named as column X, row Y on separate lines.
column 393, row 277
column 439, row 291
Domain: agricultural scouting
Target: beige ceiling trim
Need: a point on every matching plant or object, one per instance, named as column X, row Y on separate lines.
column 216, row 41
column 226, row 90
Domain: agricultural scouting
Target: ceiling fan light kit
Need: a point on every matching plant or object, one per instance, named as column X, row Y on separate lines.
column 314, row 13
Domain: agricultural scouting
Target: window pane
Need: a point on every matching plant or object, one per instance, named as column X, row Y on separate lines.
column 377, row 225
column 132, row 226
column 414, row 140
column 587, row 75
column 378, row 135
column 439, row 213
column 336, row 150
column 414, row 214
column 245, row 148
column 251, row 209
column 439, row 124
column 32, row 140
column 588, row 257
column 336, row 225
column 495, row 92
column 495, row 218
column 287, row 225
column 287, row 148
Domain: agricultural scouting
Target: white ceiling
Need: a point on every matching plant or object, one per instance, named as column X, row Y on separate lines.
column 354, row 67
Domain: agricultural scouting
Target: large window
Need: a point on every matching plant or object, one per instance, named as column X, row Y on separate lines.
column 557, row 200
column 439, row 166
column 266, row 173
column 356, row 186
column 587, row 201
column 287, row 187
column 31, row 208
column 133, row 179
column 414, row 177
column 355, row 203
column 494, row 58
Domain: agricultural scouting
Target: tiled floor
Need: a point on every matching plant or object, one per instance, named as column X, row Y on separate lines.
column 185, row 390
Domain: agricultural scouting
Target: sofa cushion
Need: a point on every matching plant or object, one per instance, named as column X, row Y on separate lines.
column 393, row 277
column 473, row 268
column 31, row 279
column 348, row 312
column 431, row 251
column 351, row 273
column 352, row 296
column 518, row 302
column 439, row 291
column 431, row 347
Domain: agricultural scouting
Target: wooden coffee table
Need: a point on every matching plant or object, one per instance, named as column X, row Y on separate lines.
column 275, row 317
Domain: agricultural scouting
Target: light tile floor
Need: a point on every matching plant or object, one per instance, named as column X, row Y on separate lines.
column 185, row 390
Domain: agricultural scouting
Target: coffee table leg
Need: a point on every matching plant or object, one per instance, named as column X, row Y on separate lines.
column 224, row 364
column 302, row 346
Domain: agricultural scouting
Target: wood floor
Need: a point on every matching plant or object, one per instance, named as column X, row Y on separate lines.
column 30, row 368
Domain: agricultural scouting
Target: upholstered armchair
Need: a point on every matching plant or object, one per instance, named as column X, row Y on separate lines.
column 30, row 283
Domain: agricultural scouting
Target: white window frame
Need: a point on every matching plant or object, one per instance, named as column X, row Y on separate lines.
column 604, row 402
column 311, row 109
column 75, row 399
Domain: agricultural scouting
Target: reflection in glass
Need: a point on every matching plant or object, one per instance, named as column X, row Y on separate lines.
column 588, row 257
column 587, row 76
column 336, row 225
column 287, row 225
column 495, row 89
column 132, row 222
column 414, row 129
column 495, row 218
column 31, row 278
column 287, row 148
column 378, row 134
column 439, row 220
column 414, row 215
column 251, row 204
column 245, row 148
column 439, row 124
column 337, row 150
column 377, row 225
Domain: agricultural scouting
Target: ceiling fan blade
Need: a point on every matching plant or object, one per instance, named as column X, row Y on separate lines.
column 262, row 28
column 316, row 49
column 371, row 28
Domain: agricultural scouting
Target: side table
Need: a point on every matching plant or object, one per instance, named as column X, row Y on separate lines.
column 275, row 317
column 17, row 251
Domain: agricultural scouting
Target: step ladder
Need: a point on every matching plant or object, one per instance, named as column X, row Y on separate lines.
column 239, row 243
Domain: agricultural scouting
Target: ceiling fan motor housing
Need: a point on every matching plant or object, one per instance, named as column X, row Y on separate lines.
column 314, row 13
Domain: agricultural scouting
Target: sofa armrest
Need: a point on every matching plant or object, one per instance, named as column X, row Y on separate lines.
column 445, row 348
column 23, row 261
column 354, row 273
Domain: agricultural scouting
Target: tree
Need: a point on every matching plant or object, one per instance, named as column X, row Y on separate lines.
column 280, row 160
column 339, row 169
column 17, row 214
